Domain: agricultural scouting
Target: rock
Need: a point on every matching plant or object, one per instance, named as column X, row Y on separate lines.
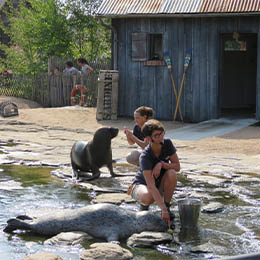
column 148, row 239
column 115, row 198
column 208, row 247
column 106, row 251
column 207, row 179
column 68, row 238
column 212, row 207
column 42, row 256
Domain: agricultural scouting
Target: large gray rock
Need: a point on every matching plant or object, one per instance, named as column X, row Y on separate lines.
column 106, row 251
column 68, row 238
column 148, row 239
column 42, row 256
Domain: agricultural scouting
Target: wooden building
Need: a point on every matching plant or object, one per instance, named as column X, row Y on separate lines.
column 223, row 78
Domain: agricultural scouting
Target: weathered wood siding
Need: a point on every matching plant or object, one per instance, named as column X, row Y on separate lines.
column 151, row 85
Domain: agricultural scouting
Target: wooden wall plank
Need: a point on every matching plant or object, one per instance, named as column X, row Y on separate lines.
column 133, row 83
column 195, row 68
column 258, row 75
column 120, row 25
column 203, row 86
column 172, row 46
column 187, row 100
column 146, row 75
column 213, row 68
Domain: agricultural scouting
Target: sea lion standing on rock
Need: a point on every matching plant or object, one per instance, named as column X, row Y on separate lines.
column 103, row 221
column 91, row 156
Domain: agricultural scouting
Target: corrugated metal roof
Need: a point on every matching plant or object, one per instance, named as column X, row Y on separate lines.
column 230, row 6
column 171, row 7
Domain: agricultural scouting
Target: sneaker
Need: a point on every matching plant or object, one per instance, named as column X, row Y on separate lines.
column 143, row 207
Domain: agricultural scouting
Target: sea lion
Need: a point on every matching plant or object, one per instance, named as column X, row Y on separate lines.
column 91, row 156
column 102, row 221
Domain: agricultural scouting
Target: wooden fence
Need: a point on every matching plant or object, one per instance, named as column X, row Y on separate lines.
column 51, row 90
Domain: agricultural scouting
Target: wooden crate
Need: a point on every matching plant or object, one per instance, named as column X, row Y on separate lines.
column 107, row 95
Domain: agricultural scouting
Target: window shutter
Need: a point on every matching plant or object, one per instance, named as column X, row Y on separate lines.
column 139, row 49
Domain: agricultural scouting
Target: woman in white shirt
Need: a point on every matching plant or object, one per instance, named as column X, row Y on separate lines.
column 85, row 68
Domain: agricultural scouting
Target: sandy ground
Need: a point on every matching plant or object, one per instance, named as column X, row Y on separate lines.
column 244, row 141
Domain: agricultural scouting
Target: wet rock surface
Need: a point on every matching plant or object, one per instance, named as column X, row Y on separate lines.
column 218, row 179
column 68, row 238
column 41, row 256
column 148, row 239
column 108, row 251
column 213, row 207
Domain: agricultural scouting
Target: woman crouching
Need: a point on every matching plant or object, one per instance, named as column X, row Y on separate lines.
column 156, row 179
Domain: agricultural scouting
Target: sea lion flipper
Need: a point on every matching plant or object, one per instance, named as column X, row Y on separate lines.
column 24, row 217
column 14, row 224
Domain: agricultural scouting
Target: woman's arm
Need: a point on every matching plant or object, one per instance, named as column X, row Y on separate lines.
column 174, row 164
column 90, row 68
column 132, row 139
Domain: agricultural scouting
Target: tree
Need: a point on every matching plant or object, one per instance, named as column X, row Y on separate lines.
column 90, row 39
column 39, row 29
column 36, row 32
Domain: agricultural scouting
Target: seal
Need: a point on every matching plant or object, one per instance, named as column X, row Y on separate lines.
column 102, row 221
column 91, row 156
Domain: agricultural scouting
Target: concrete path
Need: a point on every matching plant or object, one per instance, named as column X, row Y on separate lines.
column 210, row 128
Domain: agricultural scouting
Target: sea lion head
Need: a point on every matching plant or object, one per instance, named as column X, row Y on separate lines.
column 113, row 131
column 151, row 222
column 105, row 134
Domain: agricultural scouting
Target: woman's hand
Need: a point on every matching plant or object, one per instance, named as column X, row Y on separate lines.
column 166, row 218
column 127, row 132
column 157, row 170
column 129, row 136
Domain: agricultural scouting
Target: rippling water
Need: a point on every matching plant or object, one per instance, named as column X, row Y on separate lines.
column 235, row 230
column 22, row 189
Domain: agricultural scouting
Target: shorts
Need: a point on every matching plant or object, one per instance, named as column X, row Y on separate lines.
column 137, row 189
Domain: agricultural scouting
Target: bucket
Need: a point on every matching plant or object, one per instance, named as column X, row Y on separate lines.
column 189, row 211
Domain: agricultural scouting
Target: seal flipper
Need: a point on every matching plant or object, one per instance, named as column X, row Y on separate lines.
column 24, row 217
column 14, row 224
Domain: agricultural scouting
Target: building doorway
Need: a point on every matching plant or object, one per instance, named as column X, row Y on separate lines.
column 238, row 74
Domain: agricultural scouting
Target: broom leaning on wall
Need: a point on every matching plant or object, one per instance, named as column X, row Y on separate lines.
column 169, row 66
column 186, row 65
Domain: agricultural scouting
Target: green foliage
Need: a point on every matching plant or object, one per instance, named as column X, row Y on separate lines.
column 90, row 39
column 40, row 29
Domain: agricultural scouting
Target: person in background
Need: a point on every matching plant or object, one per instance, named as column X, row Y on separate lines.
column 141, row 115
column 56, row 71
column 69, row 68
column 157, row 176
column 85, row 68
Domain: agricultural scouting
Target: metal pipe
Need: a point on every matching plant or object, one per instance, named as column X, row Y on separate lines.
column 243, row 257
column 115, row 41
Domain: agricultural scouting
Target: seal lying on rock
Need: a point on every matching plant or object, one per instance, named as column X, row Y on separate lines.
column 103, row 221
column 91, row 156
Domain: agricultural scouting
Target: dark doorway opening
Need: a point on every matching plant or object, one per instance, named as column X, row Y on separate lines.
column 238, row 74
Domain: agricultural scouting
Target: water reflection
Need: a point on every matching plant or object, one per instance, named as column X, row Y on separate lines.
column 233, row 231
column 189, row 235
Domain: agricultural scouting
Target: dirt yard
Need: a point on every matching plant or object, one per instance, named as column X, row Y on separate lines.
column 245, row 141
